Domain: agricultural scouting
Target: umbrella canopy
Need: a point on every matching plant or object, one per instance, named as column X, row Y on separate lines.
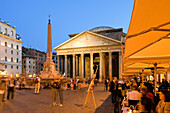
column 147, row 69
column 148, row 36
column 150, row 23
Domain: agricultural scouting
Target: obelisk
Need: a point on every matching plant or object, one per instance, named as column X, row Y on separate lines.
column 49, row 44
column 49, row 66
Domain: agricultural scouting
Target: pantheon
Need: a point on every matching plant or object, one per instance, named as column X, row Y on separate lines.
column 83, row 52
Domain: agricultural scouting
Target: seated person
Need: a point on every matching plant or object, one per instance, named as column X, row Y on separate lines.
column 164, row 103
column 145, row 105
column 134, row 96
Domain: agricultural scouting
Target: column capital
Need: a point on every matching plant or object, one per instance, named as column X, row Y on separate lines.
column 110, row 53
column 91, row 54
column 82, row 54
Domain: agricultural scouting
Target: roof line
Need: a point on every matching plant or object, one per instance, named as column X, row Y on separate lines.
column 119, row 29
column 87, row 32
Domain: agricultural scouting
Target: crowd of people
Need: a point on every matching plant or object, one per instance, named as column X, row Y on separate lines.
column 140, row 96
column 8, row 86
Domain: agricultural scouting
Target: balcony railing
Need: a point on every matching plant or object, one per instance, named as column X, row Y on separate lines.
column 17, row 37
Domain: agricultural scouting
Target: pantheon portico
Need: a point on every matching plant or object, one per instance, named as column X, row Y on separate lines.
column 78, row 56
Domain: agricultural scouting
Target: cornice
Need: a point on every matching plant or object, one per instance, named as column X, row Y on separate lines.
column 8, row 25
column 11, row 38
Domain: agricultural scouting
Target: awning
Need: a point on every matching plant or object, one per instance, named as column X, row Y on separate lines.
column 148, row 37
column 150, row 22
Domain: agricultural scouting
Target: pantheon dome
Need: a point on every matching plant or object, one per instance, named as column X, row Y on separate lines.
column 101, row 28
column 109, row 32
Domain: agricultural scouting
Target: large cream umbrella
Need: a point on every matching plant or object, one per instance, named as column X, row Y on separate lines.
column 145, row 69
column 148, row 36
column 147, row 15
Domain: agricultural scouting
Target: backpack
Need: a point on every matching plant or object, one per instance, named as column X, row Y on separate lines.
column 36, row 80
column 57, row 85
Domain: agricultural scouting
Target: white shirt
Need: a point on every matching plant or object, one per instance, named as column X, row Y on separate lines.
column 134, row 95
column 38, row 80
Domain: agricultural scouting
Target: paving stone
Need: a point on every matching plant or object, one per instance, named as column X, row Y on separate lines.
column 25, row 101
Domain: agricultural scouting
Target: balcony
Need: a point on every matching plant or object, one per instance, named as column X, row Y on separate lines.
column 6, row 34
column 17, row 37
column 2, row 62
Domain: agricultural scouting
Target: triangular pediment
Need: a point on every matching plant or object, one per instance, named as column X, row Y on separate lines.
column 87, row 39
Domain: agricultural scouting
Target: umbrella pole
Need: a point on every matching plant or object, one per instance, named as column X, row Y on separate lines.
column 142, row 77
column 155, row 77
column 166, row 75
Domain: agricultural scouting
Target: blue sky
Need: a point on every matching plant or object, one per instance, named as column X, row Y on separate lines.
column 30, row 17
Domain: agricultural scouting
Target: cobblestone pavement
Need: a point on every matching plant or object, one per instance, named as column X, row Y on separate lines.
column 25, row 101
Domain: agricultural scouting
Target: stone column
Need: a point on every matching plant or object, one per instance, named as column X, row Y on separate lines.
column 101, row 66
column 77, row 65
column 120, row 65
column 104, row 61
column 110, row 65
column 82, row 65
column 73, row 66
column 79, row 68
column 58, row 63
column 62, row 63
column 91, row 65
column 69, row 67
column 66, row 66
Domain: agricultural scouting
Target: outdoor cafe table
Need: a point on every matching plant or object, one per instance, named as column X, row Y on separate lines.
column 127, row 109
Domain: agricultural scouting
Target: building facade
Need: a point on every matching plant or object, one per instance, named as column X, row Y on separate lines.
column 28, row 66
column 39, row 58
column 54, row 58
column 10, row 51
column 83, row 52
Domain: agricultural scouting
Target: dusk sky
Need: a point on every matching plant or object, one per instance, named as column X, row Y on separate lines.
column 30, row 17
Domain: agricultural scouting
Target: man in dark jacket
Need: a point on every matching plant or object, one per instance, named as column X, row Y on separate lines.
column 113, row 89
column 11, row 88
column 55, row 91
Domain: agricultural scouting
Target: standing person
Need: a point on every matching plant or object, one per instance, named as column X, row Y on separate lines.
column 11, row 88
column 113, row 89
column 74, row 84
column 55, row 91
column 79, row 84
column 23, row 82
column 105, row 82
column 20, row 83
column 37, row 85
column 3, row 88
column 108, row 84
